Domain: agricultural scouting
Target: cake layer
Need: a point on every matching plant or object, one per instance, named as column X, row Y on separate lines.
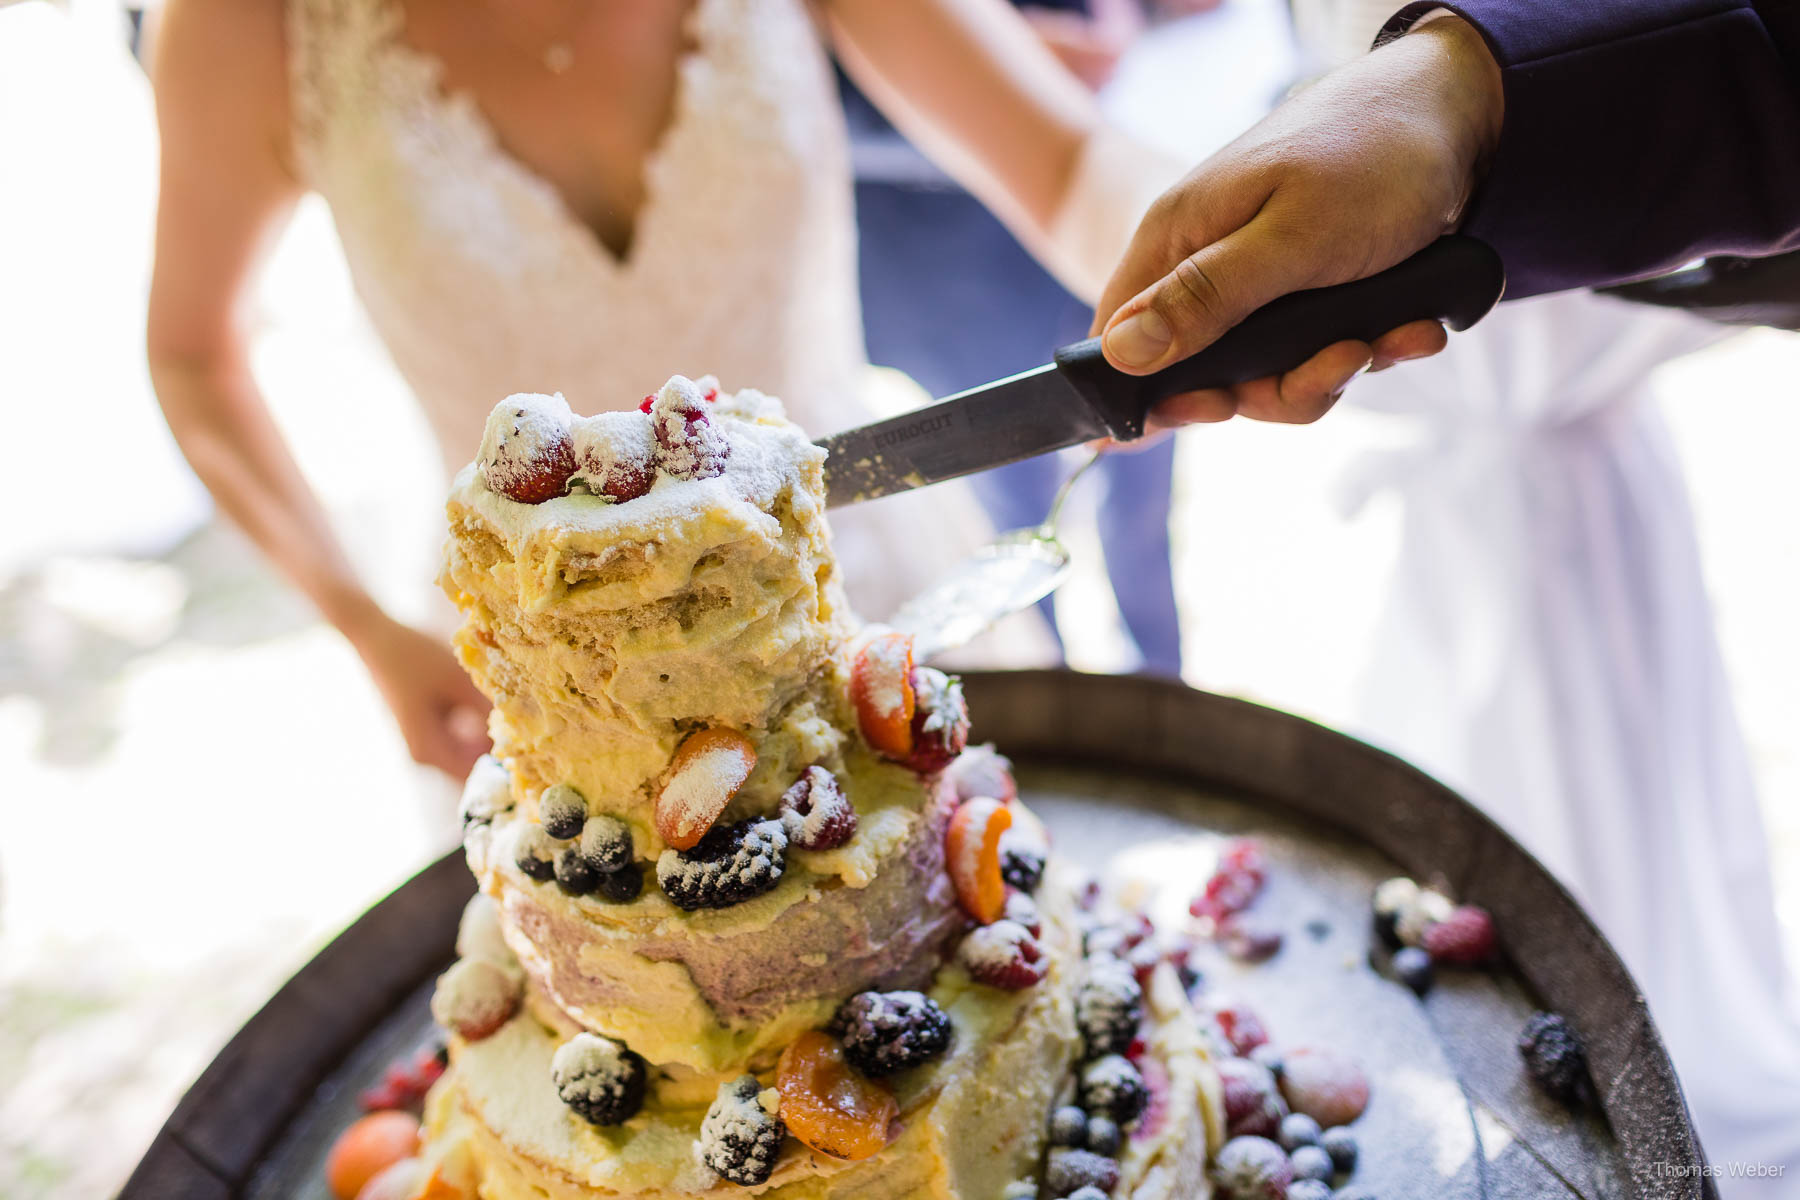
column 606, row 632
column 720, row 990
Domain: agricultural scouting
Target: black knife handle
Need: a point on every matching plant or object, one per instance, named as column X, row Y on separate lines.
column 1455, row 279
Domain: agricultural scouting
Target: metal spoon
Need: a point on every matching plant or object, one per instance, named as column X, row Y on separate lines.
column 1010, row 573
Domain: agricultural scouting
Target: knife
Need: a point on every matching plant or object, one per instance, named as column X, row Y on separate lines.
column 1079, row 397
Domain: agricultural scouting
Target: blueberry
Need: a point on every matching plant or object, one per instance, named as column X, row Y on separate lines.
column 574, row 874
column 536, row 854
column 1066, row 1171
column 1103, row 1136
column 1068, row 1126
column 1340, row 1143
column 562, row 810
column 1412, row 966
column 623, row 885
column 1311, row 1162
column 1297, row 1130
column 606, row 843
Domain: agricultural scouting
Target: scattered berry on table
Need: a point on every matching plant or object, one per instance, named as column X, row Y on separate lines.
column 729, row 866
column 1269, row 1057
column 1021, row 909
column 368, row 1147
column 615, row 455
column 1252, row 1168
column 827, row 1104
column 1104, row 1136
column 1248, row 939
column 740, row 1139
column 574, row 874
column 406, row 1080
column 623, row 885
column 1465, row 938
column 709, row 767
column 1022, row 862
column 885, row 1032
column 1234, row 882
column 526, row 452
column 1311, row 1162
column 487, row 793
column 1067, row 1171
column 598, row 1078
column 1243, row 1029
column 1340, row 1144
column 1003, row 955
column 972, row 857
column 689, row 443
column 940, row 722
column 983, row 771
column 563, row 811
column 881, row 691
column 1325, row 1085
column 1252, row 1099
column 1297, row 1130
column 1109, row 1007
column 1113, row 1086
column 1554, row 1056
column 606, row 843
column 535, row 854
column 820, row 816
column 1412, row 966
column 1392, row 897
column 1426, row 909
column 1068, row 1126
column 1309, row 1189
column 475, row 997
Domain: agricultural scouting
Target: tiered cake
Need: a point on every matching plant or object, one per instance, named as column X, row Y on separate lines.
column 752, row 920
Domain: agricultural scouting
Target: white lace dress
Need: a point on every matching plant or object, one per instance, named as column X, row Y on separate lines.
column 481, row 282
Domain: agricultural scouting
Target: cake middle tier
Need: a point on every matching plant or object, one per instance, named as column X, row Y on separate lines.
column 725, row 989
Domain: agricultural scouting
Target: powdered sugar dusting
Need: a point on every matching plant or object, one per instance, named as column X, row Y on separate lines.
column 524, row 432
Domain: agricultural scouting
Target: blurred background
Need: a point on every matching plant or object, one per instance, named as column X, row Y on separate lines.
column 201, row 783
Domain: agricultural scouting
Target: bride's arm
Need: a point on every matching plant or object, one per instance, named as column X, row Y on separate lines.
column 971, row 84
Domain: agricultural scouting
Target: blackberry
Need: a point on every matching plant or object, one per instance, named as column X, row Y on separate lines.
column 1068, row 1126
column 1109, row 1007
column 1311, row 1162
column 574, row 874
column 1412, row 966
column 1021, row 861
column 884, row 1032
column 1111, row 1085
column 739, row 1138
column 1068, row 1171
column 1104, row 1136
column 535, row 854
column 1297, row 1130
column 623, row 885
column 1554, row 1056
column 1340, row 1144
column 818, row 814
column 562, row 809
column 601, row 1080
column 606, row 844
column 730, row 865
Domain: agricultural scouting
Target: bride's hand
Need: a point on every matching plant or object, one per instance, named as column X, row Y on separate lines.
column 442, row 715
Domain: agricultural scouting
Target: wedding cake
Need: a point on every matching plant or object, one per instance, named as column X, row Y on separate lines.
column 752, row 918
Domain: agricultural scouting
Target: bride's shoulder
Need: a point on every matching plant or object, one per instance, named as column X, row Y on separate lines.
column 224, row 56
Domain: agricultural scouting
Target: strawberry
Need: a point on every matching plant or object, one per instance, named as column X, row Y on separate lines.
column 1003, row 955
column 706, row 772
column 1465, row 938
column 474, row 998
column 1021, row 909
column 527, row 453
column 615, row 455
column 1242, row 1028
column 940, row 721
column 1234, row 883
column 983, row 771
column 972, row 856
column 881, row 689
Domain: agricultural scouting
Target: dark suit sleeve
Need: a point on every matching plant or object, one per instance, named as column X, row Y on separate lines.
column 1639, row 134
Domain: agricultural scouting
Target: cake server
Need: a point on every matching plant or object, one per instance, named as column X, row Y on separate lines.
column 1079, row 398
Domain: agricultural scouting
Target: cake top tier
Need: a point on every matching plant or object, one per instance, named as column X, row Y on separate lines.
column 629, row 578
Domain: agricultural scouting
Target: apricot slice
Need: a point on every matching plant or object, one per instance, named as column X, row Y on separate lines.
column 881, row 688
column 706, row 772
column 972, row 856
column 827, row 1104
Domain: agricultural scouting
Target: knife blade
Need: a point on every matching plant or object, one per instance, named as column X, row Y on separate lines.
column 1079, row 397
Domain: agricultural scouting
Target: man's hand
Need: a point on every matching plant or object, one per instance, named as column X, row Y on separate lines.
column 1345, row 179
column 442, row 716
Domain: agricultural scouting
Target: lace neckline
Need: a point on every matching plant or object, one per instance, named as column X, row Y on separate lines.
column 460, row 108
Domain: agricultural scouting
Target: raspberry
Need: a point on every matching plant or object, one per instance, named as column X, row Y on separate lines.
column 404, row 1084
column 647, row 403
column 1426, row 909
column 1111, row 1085
column 1325, row 1085
column 688, row 444
column 601, row 1080
column 1003, row 955
column 535, row 854
column 526, row 451
column 740, row 1139
column 606, row 844
column 1412, row 966
column 940, row 720
column 574, row 874
column 1229, row 890
column 1068, row 1170
column 615, row 455
column 562, row 811
column 1109, row 1007
column 1242, row 1028
column 1297, row 1130
column 1340, row 1144
column 1022, row 861
column 885, row 1032
column 1465, row 938
column 1252, row 1168
column 623, row 885
column 1554, row 1056
column 474, row 998
column 1311, row 1162
column 729, row 866
column 1068, row 1126
column 1248, row 940
column 1023, row 910
column 820, row 815
column 1253, row 1103
column 983, row 771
